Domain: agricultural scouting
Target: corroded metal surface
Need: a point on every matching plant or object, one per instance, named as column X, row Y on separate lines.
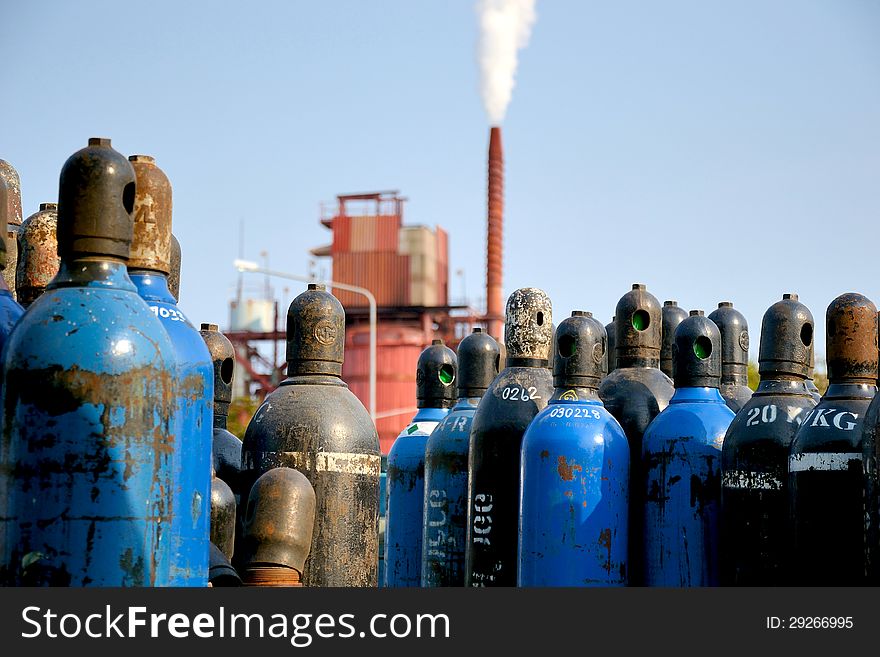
column 697, row 352
column 516, row 395
column 12, row 211
column 223, row 505
column 672, row 315
column 826, row 480
column 38, row 260
column 151, row 245
column 312, row 422
column 575, row 465
column 278, row 524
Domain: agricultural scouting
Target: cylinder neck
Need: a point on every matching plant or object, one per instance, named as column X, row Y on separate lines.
column 96, row 272
column 637, row 361
column 583, row 393
column 518, row 361
column 735, row 373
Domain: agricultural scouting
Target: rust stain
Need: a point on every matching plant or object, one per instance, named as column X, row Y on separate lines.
column 566, row 470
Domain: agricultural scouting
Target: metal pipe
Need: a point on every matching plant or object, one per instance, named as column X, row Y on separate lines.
column 252, row 267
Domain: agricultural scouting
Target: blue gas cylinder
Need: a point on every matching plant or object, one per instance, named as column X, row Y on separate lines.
column 575, row 473
column 681, row 458
column 446, row 465
column 88, row 450
column 148, row 267
column 405, row 478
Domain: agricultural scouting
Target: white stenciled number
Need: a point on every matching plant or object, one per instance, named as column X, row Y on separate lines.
column 482, row 520
column 517, row 393
column 762, row 415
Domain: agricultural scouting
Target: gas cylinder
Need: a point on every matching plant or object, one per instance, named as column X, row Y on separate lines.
column 681, row 456
column 89, row 378
column 148, row 268
column 10, row 311
column 314, row 423
column 38, row 260
column 12, row 207
column 405, row 478
column 755, row 541
column 575, row 473
column 222, row 516
column 826, row 481
column 516, row 395
column 226, row 446
column 673, row 314
column 278, row 528
column 734, row 355
column 634, row 394
column 174, row 275
column 446, row 465
column 611, row 353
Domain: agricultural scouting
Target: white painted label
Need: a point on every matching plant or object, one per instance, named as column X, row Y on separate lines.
column 343, row 462
column 822, row 461
column 744, row 479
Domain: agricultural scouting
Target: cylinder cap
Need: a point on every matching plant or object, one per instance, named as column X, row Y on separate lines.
column 315, row 333
column 435, row 377
column 851, row 339
column 697, row 353
column 279, row 520
column 38, row 260
column 174, row 274
column 528, row 328
column 638, row 325
column 734, row 334
column 479, row 360
column 672, row 315
column 151, row 244
column 580, row 352
column 223, row 356
column 786, row 338
column 222, row 516
column 95, row 202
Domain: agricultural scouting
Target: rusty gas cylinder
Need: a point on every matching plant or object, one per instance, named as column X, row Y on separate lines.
column 635, row 393
column 89, row 373
column 734, row 355
column 575, row 473
column 278, row 528
column 38, row 260
column 826, row 479
column 10, row 310
column 12, row 212
column 148, row 267
column 755, row 536
column 673, row 314
column 314, row 423
column 516, row 395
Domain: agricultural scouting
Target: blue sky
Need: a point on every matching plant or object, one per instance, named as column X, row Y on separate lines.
column 712, row 150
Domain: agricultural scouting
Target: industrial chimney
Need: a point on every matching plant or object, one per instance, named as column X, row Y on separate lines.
column 494, row 239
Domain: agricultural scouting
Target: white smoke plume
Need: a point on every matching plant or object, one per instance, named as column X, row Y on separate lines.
column 505, row 28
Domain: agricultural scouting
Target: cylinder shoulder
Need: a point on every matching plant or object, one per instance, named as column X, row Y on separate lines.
column 833, row 425
column 706, row 423
column 516, row 395
column 636, row 382
column 312, row 418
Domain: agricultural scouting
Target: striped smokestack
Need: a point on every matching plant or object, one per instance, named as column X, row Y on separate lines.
column 494, row 240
